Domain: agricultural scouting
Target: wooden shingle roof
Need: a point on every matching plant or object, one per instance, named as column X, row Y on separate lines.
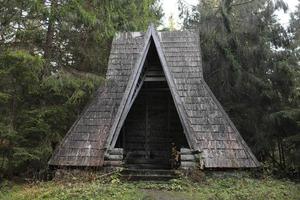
column 206, row 125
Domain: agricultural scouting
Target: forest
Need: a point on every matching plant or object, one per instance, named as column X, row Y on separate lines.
column 54, row 54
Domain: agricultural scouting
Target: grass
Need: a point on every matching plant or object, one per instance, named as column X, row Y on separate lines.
column 211, row 188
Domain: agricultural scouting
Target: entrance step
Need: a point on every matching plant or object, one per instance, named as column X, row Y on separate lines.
column 142, row 160
column 148, row 174
column 148, row 166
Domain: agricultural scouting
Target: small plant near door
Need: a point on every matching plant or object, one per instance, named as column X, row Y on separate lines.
column 175, row 157
column 199, row 158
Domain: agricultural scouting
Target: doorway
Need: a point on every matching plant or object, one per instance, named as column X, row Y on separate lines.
column 151, row 129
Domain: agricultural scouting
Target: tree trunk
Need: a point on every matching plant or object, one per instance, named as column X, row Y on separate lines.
column 273, row 156
column 279, row 151
column 282, row 154
column 50, row 35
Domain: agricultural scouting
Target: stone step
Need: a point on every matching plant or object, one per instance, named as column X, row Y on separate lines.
column 141, row 160
column 148, row 174
column 127, row 171
column 147, row 166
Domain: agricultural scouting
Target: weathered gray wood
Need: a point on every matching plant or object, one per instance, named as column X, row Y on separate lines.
column 153, row 79
column 116, row 163
column 206, row 125
column 114, row 157
column 153, row 136
column 127, row 98
column 116, row 151
column 187, row 157
column 185, row 151
column 248, row 150
column 188, row 132
column 153, row 73
column 188, row 164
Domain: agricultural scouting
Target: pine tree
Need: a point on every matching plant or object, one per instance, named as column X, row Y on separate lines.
column 241, row 46
column 53, row 56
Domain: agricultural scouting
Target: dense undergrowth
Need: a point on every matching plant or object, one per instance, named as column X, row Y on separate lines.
column 210, row 188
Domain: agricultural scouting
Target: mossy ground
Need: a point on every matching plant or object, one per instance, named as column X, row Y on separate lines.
column 211, row 188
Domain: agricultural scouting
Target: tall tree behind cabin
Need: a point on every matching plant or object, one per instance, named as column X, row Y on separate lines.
column 53, row 55
column 251, row 65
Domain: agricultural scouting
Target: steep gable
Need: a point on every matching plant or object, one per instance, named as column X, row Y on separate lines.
column 134, row 83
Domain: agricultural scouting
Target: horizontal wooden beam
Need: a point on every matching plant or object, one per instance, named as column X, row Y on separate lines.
column 155, row 89
column 153, row 79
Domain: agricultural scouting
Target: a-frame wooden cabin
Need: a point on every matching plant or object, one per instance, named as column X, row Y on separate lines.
column 154, row 98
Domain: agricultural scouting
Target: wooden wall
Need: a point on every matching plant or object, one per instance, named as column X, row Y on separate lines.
column 150, row 128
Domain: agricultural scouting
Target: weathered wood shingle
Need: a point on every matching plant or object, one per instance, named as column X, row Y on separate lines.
column 222, row 145
column 84, row 143
column 202, row 115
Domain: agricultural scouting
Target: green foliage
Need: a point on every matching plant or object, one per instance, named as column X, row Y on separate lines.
column 246, row 188
column 19, row 81
column 75, row 33
column 36, row 111
column 48, row 52
column 173, row 185
column 295, row 29
column 57, row 191
column 257, row 64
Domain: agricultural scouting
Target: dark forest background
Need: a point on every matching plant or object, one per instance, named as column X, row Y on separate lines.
column 54, row 54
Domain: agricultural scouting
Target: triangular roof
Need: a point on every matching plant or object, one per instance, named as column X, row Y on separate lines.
column 133, row 88
column 206, row 125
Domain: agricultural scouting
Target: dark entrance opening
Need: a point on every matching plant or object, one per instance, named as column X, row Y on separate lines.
column 152, row 126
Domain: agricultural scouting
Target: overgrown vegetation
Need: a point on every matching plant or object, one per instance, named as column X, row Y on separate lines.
column 212, row 188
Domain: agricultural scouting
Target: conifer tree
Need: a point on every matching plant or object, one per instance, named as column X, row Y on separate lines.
column 246, row 49
column 53, row 56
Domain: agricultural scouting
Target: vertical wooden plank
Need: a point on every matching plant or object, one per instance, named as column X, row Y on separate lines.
column 169, row 117
column 147, row 130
